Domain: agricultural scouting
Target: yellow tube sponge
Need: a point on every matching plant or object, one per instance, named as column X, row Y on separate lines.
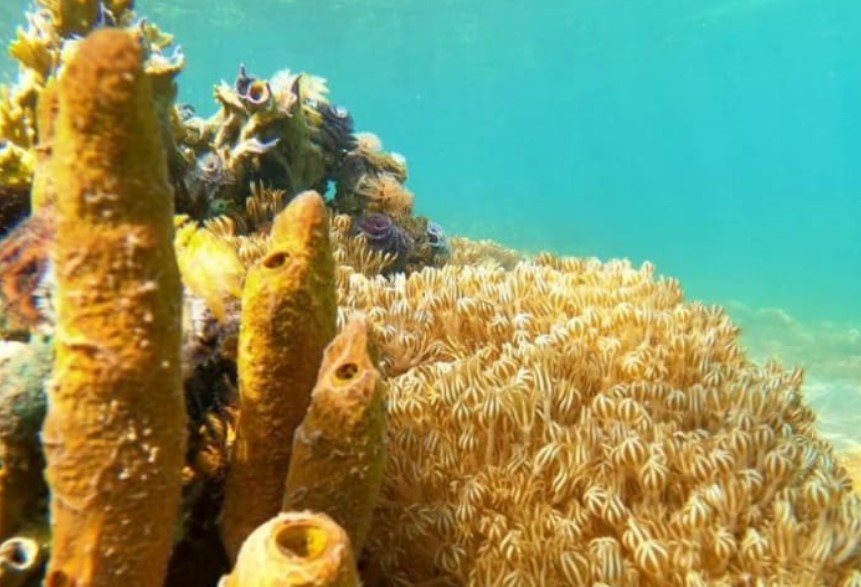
column 114, row 435
column 295, row 549
column 289, row 313
column 339, row 451
column 21, row 558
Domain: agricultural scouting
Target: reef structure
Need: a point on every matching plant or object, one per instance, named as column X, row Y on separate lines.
column 482, row 418
column 43, row 48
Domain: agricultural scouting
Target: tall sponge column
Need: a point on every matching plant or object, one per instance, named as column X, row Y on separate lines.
column 114, row 434
column 339, row 451
column 289, row 315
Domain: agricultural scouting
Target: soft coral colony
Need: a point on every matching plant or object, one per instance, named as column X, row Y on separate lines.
column 212, row 375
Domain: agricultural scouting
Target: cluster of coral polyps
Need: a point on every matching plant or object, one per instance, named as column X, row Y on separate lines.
column 570, row 422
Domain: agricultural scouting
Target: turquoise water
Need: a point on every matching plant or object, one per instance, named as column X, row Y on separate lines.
column 718, row 139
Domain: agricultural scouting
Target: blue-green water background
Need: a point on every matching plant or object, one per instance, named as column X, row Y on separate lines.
column 718, row 138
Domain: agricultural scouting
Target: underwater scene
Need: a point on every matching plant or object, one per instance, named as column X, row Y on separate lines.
column 455, row 293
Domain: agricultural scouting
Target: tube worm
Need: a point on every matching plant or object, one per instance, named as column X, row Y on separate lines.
column 339, row 450
column 289, row 312
column 295, row 549
column 114, row 434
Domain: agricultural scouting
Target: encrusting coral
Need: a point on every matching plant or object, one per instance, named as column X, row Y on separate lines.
column 114, row 433
column 339, row 450
column 288, row 318
column 295, row 549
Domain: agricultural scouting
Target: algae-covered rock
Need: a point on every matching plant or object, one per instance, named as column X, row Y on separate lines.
column 24, row 368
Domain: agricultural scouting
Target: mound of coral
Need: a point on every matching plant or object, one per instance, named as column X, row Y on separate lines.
column 571, row 422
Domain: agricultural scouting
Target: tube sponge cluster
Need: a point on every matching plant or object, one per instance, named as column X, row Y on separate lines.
column 115, row 428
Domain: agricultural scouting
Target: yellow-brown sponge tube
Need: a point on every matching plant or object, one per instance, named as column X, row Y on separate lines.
column 114, row 434
column 295, row 549
column 339, row 450
column 289, row 313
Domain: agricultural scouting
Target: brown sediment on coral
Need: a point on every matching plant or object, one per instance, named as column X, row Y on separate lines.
column 288, row 317
column 339, row 450
column 114, row 434
column 295, row 549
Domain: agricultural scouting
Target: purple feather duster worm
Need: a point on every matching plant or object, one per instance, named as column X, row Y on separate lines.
column 385, row 236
